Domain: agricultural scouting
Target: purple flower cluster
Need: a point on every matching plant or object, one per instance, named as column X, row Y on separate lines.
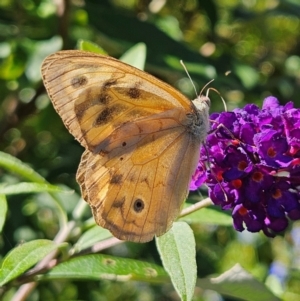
column 251, row 165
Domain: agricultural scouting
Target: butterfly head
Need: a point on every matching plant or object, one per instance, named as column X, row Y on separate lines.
column 202, row 103
column 202, row 106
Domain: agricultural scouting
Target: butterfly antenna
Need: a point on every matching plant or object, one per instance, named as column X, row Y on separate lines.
column 205, row 87
column 224, row 103
column 186, row 71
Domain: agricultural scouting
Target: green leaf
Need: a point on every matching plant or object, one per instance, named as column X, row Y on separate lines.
column 17, row 166
column 170, row 25
column 238, row 283
column 90, row 46
column 248, row 75
column 203, row 69
column 208, row 216
column 12, row 67
column 90, row 237
column 26, row 187
column 98, row 266
column 40, row 50
column 135, row 56
column 3, row 211
column 177, row 250
column 23, row 257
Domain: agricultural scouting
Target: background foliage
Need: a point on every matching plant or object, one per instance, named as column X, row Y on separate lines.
column 257, row 41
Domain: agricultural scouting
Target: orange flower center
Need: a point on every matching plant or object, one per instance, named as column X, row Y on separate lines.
column 235, row 142
column 220, row 176
column 271, row 152
column 277, row 194
column 242, row 165
column 257, row 176
column 243, row 211
column 236, row 183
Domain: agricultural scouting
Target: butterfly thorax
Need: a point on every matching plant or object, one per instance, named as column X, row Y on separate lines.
column 200, row 118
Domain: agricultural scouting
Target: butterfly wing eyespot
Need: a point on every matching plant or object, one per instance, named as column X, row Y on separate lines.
column 141, row 139
column 138, row 205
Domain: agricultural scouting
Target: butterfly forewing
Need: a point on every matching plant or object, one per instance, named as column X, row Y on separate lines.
column 94, row 93
column 141, row 137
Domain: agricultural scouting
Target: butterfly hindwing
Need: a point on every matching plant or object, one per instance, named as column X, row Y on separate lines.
column 138, row 194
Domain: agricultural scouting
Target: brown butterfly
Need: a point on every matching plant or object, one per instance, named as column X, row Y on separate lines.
column 141, row 137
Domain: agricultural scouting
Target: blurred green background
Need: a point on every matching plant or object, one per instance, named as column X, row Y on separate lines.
column 250, row 48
